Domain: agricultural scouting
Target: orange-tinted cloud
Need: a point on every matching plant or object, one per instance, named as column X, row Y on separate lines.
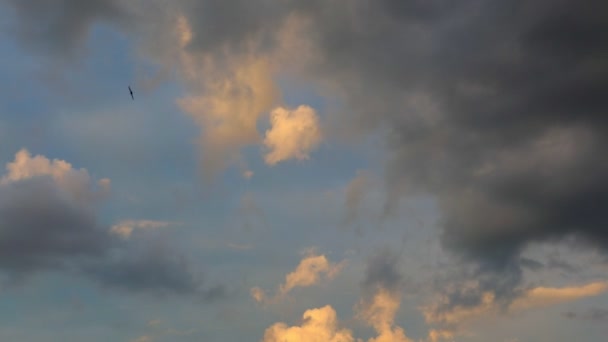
column 319, row 325
column 310, row 271
column 449, row 323
column 293, row 134
column 75, row 181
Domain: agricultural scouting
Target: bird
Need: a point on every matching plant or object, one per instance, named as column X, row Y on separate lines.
column 131, row 92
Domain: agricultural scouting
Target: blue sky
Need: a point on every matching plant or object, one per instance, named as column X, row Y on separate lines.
column 164, row 254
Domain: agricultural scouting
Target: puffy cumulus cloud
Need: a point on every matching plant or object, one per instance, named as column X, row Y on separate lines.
column 449, row 322
column 77, row 182
column 319, row 325
column 293, row 134
column 48, row 221
column 309, row 272
column 125, row 228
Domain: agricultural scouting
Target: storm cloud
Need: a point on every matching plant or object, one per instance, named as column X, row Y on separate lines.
column 496, row 109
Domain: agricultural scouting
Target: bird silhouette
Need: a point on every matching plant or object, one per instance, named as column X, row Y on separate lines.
column 131, row 92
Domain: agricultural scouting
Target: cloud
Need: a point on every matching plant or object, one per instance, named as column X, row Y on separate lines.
column 153, row 269
column 382, row 273
column 48, row 221
column 61, row 28
column 546, row 296
column 382, row 288
column 500, row 132
column 229, row 109
column 46, row 215
column 379, row 312
column 593, row 314
column 319, row 325
column 76, row 182
column 227, row 96
column 452, row 320
column 258, row 294
column 125, row 228
column 378, row 307
column 355, row 193
column 293, row 134
column 310, row 271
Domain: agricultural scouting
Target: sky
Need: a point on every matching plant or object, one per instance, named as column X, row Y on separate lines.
column 303, row 171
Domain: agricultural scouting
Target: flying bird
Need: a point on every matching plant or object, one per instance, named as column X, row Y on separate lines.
column 131, row 92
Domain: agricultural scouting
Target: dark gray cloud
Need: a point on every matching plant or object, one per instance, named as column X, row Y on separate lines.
column 496, row 108
column 531, row 264
column 134, row 271
column 382, row 272
column 61, row 27
column 562, row 265
column 218, row 24
column 43, row 227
